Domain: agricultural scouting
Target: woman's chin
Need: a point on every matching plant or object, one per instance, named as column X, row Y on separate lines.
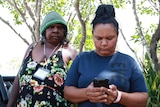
column 104, row 53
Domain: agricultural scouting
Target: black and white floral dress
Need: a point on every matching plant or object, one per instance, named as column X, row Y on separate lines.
column 35, row 92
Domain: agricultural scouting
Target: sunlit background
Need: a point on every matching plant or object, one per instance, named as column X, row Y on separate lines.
column 13, row 48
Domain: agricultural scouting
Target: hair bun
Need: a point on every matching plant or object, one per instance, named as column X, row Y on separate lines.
column 105, row 11
column 105, row 14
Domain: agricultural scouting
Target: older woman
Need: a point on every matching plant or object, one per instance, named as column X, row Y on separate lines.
column 40, row 81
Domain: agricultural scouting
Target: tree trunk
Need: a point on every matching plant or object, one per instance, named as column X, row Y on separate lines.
column 153, row 48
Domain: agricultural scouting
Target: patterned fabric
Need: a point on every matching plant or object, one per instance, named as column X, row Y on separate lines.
column 35, row 92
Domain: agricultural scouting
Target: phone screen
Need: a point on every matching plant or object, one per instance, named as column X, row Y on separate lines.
column 99, row 82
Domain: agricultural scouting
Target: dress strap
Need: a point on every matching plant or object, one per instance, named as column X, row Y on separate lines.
column 29, row 50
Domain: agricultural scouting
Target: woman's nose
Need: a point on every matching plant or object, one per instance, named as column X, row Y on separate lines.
column 54, row 29
column 104, row 42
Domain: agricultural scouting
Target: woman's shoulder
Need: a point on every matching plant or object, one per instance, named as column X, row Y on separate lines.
column 33, row 44
column 69, row 47
column 70, row 51
column 125, row 56
column 86, row 54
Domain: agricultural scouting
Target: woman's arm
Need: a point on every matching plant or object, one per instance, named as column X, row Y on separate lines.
column 14, row 93
column 75, row 95
column 69, row 53
column 15, row 88
column 136, row 99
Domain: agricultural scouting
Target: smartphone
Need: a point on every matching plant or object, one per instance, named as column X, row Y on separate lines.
column 100, row 82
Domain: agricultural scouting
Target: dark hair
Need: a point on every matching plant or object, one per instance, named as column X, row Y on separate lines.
column 105, row 14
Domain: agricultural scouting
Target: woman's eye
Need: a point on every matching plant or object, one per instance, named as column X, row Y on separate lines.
column 98, row 38
column 110, row 38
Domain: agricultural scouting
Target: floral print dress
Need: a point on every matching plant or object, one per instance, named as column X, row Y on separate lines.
column 35, row 92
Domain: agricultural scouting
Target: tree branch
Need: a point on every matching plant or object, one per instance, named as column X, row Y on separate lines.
column 22, row 15
column 139, row 29
column 14, row 30
column 82, row 24
column 153, row 4
column 29, row 11
column 38, row 15
column 129, row 46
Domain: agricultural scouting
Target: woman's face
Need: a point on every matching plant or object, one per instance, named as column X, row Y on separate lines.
column 55, row 33
column 105, row 39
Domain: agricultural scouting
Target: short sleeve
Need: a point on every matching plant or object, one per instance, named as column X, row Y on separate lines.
column 73, row 74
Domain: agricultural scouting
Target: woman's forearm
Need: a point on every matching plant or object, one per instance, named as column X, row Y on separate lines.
column 136, row 99
column 14, row 93
column 75, row 95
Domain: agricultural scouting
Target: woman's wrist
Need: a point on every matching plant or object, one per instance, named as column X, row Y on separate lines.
column 118, row 97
